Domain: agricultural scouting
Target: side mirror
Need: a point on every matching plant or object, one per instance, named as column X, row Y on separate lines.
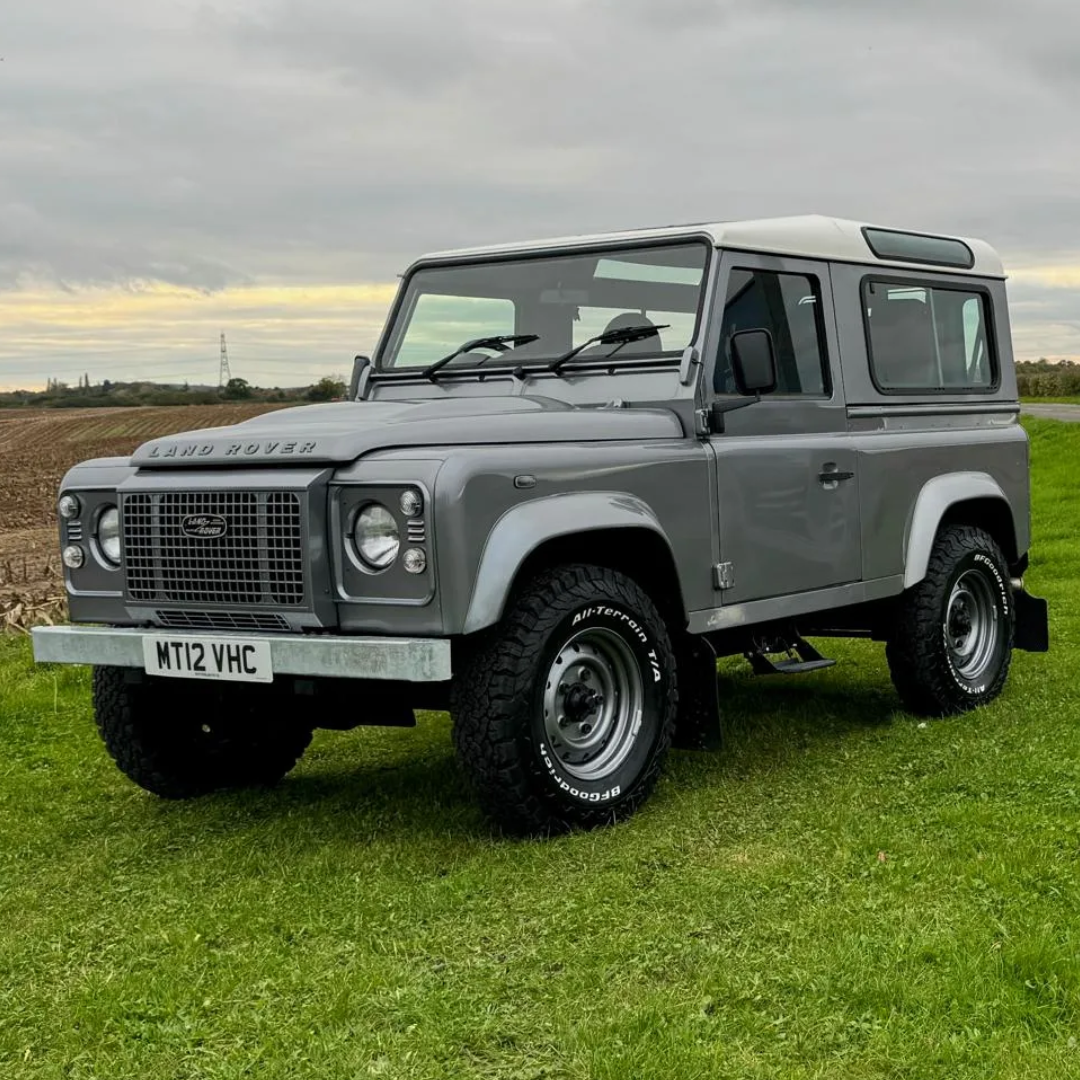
column 360, row 365
column 753, row 362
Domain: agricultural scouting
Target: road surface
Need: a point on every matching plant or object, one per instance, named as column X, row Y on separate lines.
column 1053, row 412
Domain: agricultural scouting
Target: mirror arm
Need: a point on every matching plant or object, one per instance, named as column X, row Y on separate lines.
column 718, row 410
column 361, row 378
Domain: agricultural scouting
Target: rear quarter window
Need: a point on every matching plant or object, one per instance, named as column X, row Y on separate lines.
column 925, row 338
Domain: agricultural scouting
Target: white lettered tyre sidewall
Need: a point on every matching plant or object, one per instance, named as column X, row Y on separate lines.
column 656, row 683
column 996, row 577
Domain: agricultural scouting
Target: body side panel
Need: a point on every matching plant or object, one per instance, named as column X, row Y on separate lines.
column 661, row 486
column 907, row 441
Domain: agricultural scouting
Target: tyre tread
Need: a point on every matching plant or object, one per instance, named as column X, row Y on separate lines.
column 915, row 654
column 135, row 735
column 488, row 693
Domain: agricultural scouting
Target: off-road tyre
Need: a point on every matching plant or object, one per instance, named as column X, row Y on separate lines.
column 928, row 670
column 182, row 739
column 557, row 635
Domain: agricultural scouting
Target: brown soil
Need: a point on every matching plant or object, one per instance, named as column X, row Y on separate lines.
column 37, row 447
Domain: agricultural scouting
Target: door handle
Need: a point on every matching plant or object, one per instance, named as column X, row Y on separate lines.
column 830, row 476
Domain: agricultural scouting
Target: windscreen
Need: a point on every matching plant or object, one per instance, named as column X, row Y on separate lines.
column 562, row 299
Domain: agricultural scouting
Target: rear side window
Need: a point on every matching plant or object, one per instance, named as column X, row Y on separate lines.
column 789, row 307
column 928, row 338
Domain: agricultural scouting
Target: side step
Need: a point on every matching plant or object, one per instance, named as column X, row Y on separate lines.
column 809, row 660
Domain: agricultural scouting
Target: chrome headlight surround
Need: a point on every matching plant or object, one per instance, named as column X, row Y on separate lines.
column 354, row 489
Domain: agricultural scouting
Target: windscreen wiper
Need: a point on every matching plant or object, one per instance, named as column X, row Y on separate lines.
column 499, row 343
column 624, row 335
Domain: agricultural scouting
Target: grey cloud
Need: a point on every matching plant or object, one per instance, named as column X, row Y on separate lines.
column 212, row 143
column 671, row 14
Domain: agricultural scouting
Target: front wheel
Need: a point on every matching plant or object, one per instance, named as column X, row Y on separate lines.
column 563, row 718
column 952, row 644
column 180, row 739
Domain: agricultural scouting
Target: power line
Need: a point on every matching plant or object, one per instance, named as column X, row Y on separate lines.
column 224, row 375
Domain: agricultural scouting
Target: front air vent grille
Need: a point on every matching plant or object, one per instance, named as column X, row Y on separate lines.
column 215, row 547
column 221, row 620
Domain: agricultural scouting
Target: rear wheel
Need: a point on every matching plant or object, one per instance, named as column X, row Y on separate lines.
column 952, row 644
column 562, row 719
column 182, row 739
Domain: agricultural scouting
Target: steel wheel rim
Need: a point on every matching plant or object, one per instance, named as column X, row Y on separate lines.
column 972, row 625
column 593, row 704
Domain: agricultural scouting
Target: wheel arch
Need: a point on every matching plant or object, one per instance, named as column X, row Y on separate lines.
column 612, row 529
column 962, row 498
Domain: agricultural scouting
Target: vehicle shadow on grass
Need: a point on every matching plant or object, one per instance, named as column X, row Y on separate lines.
column 763, row 719
column 413, row 788
column 412, row 785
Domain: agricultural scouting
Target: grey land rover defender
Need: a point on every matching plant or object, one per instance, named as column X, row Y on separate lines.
column 573, row 474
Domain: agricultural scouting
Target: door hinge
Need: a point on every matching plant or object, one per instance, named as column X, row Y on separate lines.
column 724, row 575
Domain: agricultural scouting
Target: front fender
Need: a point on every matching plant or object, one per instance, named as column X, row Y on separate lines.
column 935, row 499
column 522, row 529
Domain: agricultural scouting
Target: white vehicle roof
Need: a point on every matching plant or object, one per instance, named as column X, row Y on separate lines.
column 810, row 236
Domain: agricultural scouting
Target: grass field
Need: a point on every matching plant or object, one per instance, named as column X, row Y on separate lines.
column 843, row 892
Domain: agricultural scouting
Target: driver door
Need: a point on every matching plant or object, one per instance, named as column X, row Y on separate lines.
column 787, row 486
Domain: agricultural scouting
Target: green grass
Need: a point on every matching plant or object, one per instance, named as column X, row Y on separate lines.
column 1051, row 400
column 843, row 892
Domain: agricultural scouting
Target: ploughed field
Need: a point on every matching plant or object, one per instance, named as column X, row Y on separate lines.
column 37, row 446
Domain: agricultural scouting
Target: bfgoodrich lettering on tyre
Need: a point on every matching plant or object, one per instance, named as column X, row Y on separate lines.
column 952, row 644
column 563, row 718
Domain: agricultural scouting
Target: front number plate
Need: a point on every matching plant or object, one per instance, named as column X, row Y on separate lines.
column 227, row 659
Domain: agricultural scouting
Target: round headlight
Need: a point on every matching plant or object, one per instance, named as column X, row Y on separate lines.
column 69, row 507
column 376, row 536
column 73, row 557
column 108, row 535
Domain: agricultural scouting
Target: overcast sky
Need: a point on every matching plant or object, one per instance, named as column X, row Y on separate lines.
column 176, row 168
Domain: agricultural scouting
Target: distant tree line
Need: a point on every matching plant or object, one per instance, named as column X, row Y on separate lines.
column 59, row 395
column 1035, row 378
column 1048, row 378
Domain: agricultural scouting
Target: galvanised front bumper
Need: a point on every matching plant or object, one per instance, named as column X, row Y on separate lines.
column 315, row 655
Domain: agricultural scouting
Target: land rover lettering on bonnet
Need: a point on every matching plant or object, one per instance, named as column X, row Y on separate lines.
column 571, row 476
column 267, row 448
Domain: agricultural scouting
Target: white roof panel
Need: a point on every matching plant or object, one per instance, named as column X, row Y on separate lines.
column 810, row 236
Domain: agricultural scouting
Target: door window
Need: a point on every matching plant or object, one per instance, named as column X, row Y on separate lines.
column 789, row 307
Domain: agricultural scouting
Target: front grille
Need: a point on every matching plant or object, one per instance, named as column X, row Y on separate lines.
column 221, row 620
column 258, row 560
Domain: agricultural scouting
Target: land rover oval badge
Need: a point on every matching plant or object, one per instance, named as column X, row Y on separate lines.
column 204, row 526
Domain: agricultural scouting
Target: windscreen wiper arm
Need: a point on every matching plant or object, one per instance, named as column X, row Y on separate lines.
column 499, row 342
column 620, row 337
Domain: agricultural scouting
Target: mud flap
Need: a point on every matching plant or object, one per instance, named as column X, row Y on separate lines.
column 697, row 726
column 1032, row 632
